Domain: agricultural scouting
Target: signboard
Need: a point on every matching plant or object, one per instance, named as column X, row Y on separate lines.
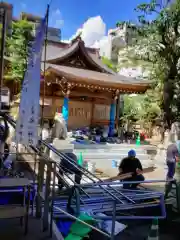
column 29, row 109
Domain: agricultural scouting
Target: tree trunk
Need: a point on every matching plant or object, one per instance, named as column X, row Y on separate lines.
column 150, row 130
column 167, row 103
column 168, row 94
column 162, row 129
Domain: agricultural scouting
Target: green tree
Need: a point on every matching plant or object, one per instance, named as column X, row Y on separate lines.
column 18, row 46
column 159, row 40
column 132, row 57
column 132, row 108
column 109, row 64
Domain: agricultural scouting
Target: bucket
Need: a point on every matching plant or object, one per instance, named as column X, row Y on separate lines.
column 114, row 164
column 91, row 167
column 98, row 139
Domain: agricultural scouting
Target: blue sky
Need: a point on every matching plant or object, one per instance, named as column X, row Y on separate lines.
column 69, row 15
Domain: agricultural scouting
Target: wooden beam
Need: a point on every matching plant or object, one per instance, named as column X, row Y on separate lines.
column 96, row 84
column 40, row 187
column 86, row 94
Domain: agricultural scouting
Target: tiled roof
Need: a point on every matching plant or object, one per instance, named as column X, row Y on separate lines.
column 56, row 54
column 120, row 82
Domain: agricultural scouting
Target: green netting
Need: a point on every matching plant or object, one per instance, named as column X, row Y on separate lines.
column 80, row 160
column 79, row 230
column 73, row 237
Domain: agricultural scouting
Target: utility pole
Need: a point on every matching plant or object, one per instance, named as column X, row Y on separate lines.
column 3, row 40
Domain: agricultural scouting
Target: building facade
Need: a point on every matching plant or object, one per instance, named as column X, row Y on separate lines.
column 118, row 38
column 80, row 86
column 54, row 34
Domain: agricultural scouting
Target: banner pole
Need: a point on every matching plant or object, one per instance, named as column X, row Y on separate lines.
column 44, row 68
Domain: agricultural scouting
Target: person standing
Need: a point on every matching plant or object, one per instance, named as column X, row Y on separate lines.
column 4, row 133
column 172, row 157
column 69, row 165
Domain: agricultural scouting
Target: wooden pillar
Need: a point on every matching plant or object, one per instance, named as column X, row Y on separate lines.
column 40, row 188
column 47, row 197
column 92, row 111
column 113, row 113
column 52, row 200
column 65, row 108
column 117, row 111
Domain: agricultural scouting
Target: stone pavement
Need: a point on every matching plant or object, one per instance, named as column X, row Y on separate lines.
column 158, row 174
column 10, row 229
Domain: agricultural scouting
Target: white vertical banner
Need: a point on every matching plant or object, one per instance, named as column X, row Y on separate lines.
column 29, row 108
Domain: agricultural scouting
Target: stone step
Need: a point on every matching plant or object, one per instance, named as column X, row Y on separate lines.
column 107, row 151
column 114, row 146
column 111, row 156
column 104, row 158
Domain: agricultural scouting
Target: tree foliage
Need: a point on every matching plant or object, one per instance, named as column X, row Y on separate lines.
column 157, row 50
column 132, row 108
column 144, row 108
column 109, row 64
column 159, row 40
column 18, row 46
column 140, row 108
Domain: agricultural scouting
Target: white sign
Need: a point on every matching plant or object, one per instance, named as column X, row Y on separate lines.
column 28, row 119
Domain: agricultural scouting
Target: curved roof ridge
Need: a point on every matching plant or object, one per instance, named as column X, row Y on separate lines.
column 65, row 53
column 75, row 45
column 95, row 59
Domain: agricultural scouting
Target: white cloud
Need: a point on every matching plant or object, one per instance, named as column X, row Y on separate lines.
column 93, row 30
column 93, row 33
column 75, row 35
column 56, row 19
column 102, row 44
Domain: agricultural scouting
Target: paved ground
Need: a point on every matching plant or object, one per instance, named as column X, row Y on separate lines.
column 11, row 230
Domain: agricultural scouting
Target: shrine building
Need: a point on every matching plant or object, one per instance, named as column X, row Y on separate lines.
column 79, row 85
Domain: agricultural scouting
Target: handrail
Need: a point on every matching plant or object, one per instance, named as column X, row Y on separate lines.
column 124, row 182
column 100, row 184
column 35, row 149
column 12, row 122
column 83, row 170
column 60, row 154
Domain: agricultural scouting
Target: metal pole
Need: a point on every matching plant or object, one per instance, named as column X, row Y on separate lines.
column 113, row 220
column 47, row 195
column 3, row 36
column 118, row 115
column 44, row 83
